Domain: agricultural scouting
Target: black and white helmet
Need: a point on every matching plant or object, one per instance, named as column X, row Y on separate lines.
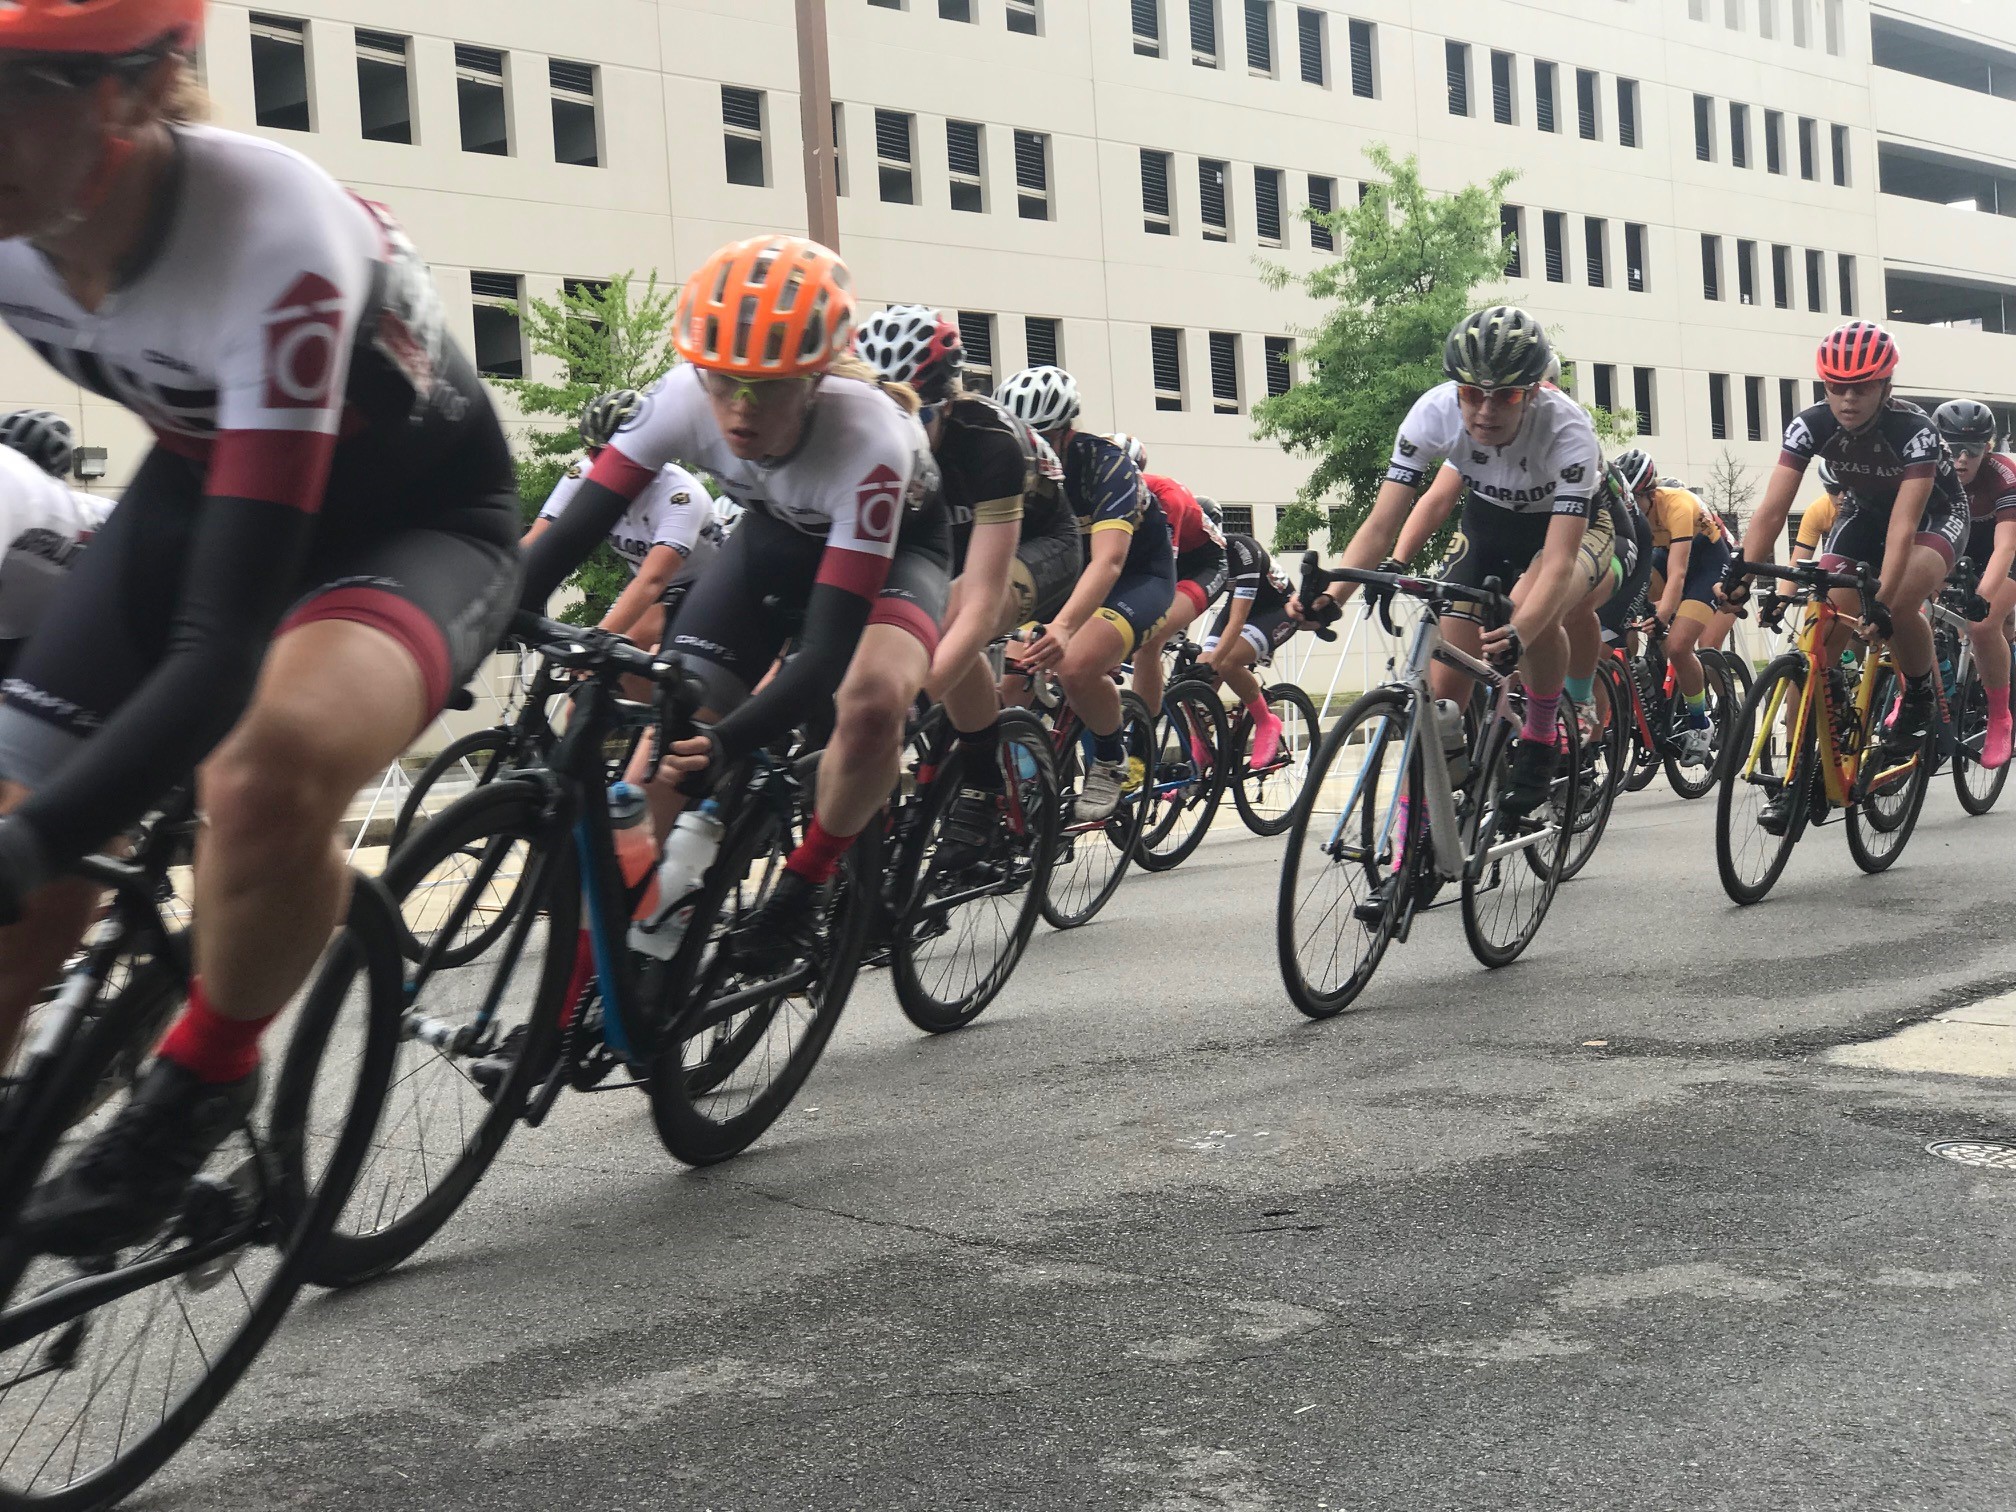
column 1043, row 398
column 1829, row 479
column 1212, row 511
column 1136, row 452
column 1965, row 422
column 915, row 345
column 43, row 437
column 606, row 414
column 1634, row 470
column 1502, row 347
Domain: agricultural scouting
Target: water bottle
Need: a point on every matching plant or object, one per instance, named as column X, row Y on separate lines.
column 1455, row 742
column 635, row 852
column 689, row 851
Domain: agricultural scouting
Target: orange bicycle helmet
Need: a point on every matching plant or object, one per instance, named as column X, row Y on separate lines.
column 99, row 28
column 769, row 307
column 1857, row 352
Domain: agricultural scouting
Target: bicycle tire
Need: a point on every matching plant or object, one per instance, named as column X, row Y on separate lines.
column 1797, row 771
column 511, row 808
column 1121, row 831
column 1485, row 875
column 1871, row 854
column 366, row 949
column 1976, row 785
column 1164, row 843
column 1692, row 783
column 1321, row 1000
column 1261, row 808
column 1596, row 798
column 482, row 752
column 1031, row 823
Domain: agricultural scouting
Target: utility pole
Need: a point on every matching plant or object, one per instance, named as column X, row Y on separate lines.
column 815, row 119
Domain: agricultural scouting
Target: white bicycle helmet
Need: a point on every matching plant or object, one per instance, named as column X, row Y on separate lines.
column 43, row 437
column 606, row 414
column 916, row 345
column 1043, row 398
column 1136, row 452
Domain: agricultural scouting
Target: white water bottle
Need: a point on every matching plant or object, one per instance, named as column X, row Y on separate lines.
column 689, row 851
column 1455, row 744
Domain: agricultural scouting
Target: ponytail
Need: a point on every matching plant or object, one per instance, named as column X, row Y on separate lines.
column 854, row 365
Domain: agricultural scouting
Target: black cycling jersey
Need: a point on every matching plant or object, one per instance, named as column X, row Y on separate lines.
column 1253, row 574
column 1105, row 491
column 1899, row 445
column 986, row 464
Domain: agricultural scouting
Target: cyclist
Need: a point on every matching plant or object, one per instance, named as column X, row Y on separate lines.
column 327, row 521
column 1127, row 585
column 1902, row 511
column 1014, row 544
column 1968, row 428
column 1690, row 553
column 842, row 544
column 1817, row 519
column 1253, row 625
column 1200, row 568
column 1532, row 516
column 43, row 529
column 43, row 437
column 665, row 539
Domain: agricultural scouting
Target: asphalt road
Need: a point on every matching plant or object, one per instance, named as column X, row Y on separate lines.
column 1144, row 1239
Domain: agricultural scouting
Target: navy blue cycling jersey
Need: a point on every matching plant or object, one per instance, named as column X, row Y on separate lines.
column 1105, row 491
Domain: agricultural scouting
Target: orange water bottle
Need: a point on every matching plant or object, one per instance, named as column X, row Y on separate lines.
column 636, row 851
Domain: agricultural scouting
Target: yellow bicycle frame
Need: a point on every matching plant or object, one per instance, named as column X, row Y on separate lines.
column 1838, row 768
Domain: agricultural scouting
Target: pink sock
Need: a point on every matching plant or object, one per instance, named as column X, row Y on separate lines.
column 1259, row 710
column 1542, row 710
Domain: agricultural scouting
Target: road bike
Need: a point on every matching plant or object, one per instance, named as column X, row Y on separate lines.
column 1265, row 794
column 1954, row 612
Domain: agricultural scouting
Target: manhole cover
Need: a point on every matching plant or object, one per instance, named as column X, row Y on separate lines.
column 1975, row 1152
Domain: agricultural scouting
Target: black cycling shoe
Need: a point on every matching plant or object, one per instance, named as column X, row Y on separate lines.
column 1532, row 780
column 1776, row 816
column 134, row 1174
column 1375, row 903
column 783, row 929
column 1913, row 721
column 493, row 1070
column 972, row 825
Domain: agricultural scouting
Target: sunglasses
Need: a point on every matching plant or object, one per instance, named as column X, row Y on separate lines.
column 1969, row 448
column 759, row 393
column 1471, row 393
column 1850, row 390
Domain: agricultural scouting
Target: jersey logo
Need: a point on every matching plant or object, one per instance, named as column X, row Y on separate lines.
column 681, row 497
column 1479, row 458
column 302, row 329
column 1574, row 473
column 1799, row 435
column 1407, row 448
column 876, row 504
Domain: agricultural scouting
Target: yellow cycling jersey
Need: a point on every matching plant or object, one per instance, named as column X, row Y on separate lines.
column 1676, row 513
column 1817, row 521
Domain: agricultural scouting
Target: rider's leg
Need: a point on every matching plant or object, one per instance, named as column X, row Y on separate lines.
column 34, row 948
column 1148, row 680
column 1087, row 674
column 1911, row 638
column 1688, row 674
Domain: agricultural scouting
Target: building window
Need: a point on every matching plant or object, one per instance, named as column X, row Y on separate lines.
column 1739, row 135
column 839, row 150
column 1753, row 408
column 1238, row 519
column 1032, row 175
column 955, row 10
column 1322, row 199
column 1155, row 217
column 1211, row 194
column 895, row 166
column 1711, row 267
column 1310, row 37
column 1627, row 112
column 1595, row 233
column 1704, row 128
column 384, row 86
column 1364, row 57
column 1774, row 141
column 1043, row 339
column 1512, row 239
column 1224, row 373
column 1148, row 28
column 1585, row 105
column 1732, row 14
column 577, row 134
column 1788, row 401
column 1746, row 272
column 1267, row 206
column 1781, row 277
column 1847, row 279
column 976, row 335
column 1634, row 257
column 964, row 157
column 1831, row 12
column 1553, row 232
column 1606, row 385
column 1260, row 37
column 1165, row 351
column 1025, row 17
column 1642, row 384
column 742, row 134
column 1204, row 33
column 479, row 93
column 895, row 5
column 1280, row 352
column 1809, row 148
column 1800, row 24
column 500, row 329
column 280, row 73
column 1501, row 88
column 1819, row 392
column 1767, row 19
column 1456, row 55
column 1697, row 10
column 1718, row 406
column 573, row 288
column 1840, row 156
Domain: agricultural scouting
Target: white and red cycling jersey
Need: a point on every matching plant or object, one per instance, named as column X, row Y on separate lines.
column 862, row 465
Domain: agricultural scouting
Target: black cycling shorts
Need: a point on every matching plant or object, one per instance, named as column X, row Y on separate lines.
column 1981, row 545
column 1140, row 600
column 1861, row 532
column 1201, row 574
column 1707, row 564
column 752, row 599
column 1045, row 570
column 1630, row 594
column 1265, row 630
column 1497, row 542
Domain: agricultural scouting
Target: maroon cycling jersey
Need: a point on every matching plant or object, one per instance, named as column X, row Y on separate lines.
column 1992, row 494
column 1899, row 445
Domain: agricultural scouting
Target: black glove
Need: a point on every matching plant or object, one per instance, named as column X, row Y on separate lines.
column 1976, row 608
column 1322, row 611
column 1771, row 610
column 1507, row 656
column 1379, row 596
column 1735, row 587
column 1878, row 618
column 24, row 869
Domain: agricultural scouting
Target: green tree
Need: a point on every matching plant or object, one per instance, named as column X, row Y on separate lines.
column 610, row 335
column 1408, row 268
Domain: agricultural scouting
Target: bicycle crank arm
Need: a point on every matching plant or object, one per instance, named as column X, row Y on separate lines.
column 73, row 1299
column 720, row 1010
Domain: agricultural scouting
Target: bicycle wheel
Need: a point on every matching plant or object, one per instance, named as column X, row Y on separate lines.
column 441, row 1128
column 1976, row 785
column 1596, row 795
column 1642, row 760
column 960, row 936
column 1760, row 764
column 1092, row 856
column 1189, row 781
column 466, row 762
column 1515, row 862
column 1338, row 854
column 1266, row 798
column 1880, row 824
column 1742, row 677
column 733, row 1051
column 1692, row 782
column 108, row 1365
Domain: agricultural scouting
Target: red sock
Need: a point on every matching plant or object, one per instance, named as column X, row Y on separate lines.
column 216, row 1048
column 818, row 854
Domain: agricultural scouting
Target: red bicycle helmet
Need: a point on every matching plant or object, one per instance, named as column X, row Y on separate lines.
column 1857, row 352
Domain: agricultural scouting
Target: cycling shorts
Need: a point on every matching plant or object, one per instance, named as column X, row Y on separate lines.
column 1981, row 545
column 751, row 600
column 1862, row 531
column 1265, row 630
column 1140, row 600
column 1706, row 565
column 1200, row 575
column 1045, row 570
column 1630, row 595
column 442, row 583
column 1498, row 542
